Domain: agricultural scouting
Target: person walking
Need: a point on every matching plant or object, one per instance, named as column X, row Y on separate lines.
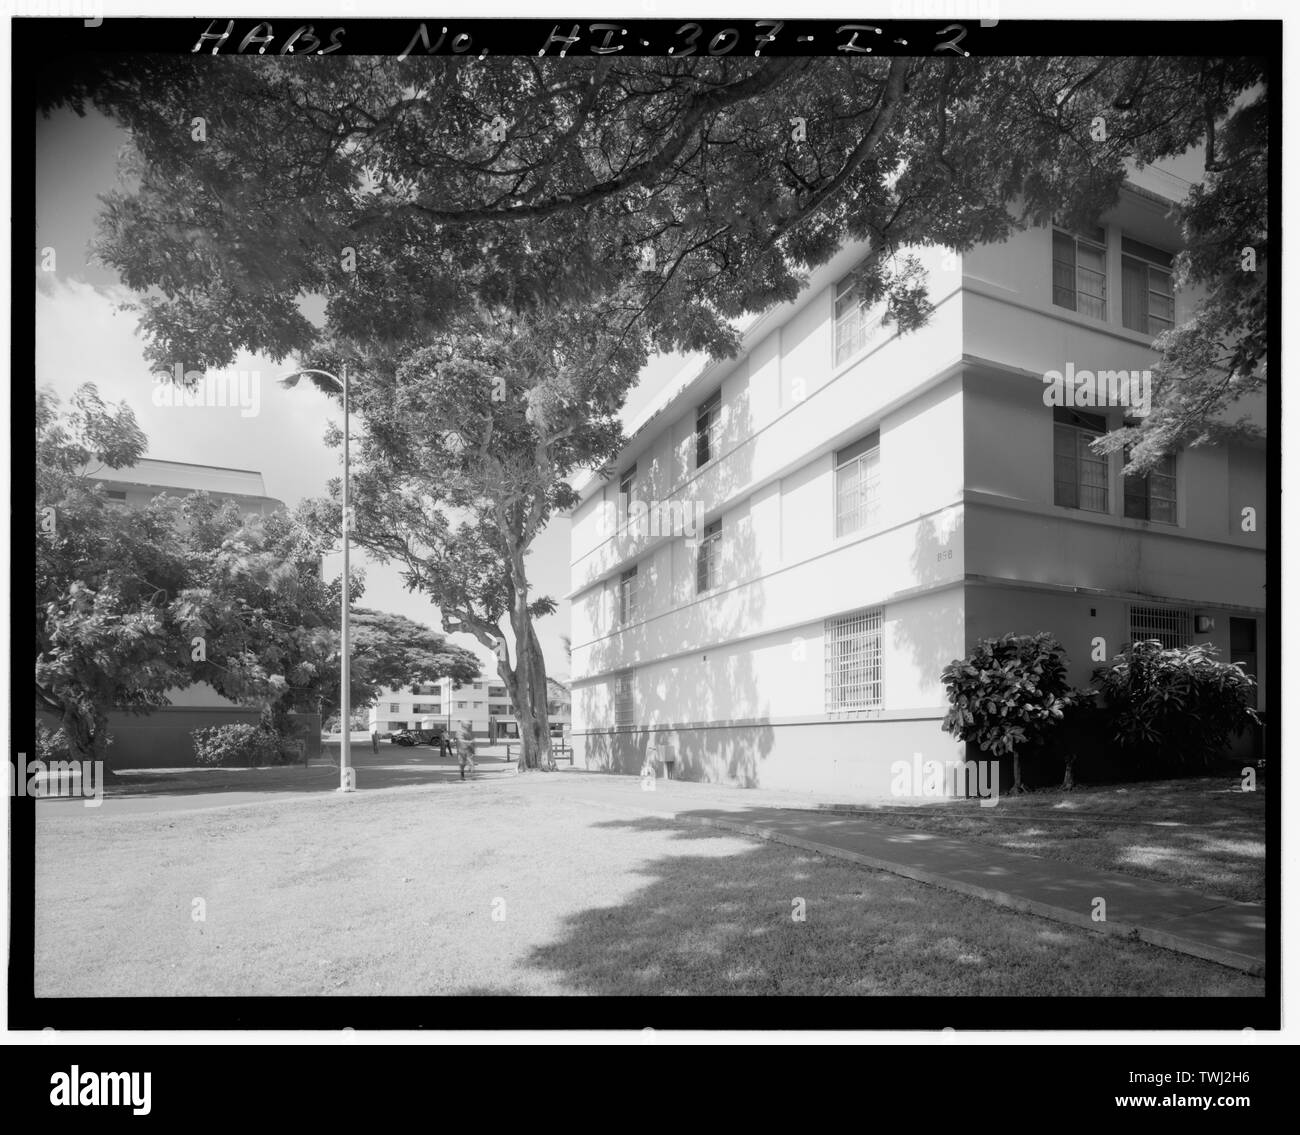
column 374, row 735
column 465, row 748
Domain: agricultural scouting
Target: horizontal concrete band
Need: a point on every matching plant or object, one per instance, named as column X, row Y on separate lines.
column 754, row 723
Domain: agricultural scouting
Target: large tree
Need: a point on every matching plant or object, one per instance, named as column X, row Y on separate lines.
column 706, row 184
column 467, row 448
column 135, row 602
column 106, row 634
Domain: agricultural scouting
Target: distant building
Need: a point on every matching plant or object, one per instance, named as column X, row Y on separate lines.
column 479, row 702
column 138, row 484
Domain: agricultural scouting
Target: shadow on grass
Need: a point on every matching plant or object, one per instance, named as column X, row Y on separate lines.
column 393, row 767
column 769, row 920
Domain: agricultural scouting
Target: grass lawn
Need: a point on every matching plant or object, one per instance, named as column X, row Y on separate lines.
column 1203, row 833
column 394, row 892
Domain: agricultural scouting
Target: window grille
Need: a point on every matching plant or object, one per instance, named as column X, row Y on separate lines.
column 1172, row 626
column 855, row 662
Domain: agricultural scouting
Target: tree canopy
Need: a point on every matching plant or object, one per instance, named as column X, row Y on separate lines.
column 697, row 188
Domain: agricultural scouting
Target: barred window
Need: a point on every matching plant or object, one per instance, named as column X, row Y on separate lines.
column 708, row 423
column 1147, row 289
column 1079, row 271
column 706, row 559
column 1082, row 476
column 854, row 325
column 855, row 662
column 623, row 699
column 1172, row 626
column 857, row 485
column 627, row 596
column 394, row 707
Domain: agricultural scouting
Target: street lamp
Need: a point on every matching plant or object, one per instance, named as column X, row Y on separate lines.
column 346, row 776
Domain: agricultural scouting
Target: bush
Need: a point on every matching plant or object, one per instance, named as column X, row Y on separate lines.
column 1175, row 707
column 51, row 744
column 225, row 745
column 1008, row 694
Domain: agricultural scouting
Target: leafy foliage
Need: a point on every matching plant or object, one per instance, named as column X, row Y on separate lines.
column 531, row 184
column 236, row 744
column 1177, row 707
column 132, row 603
column 1009, row 693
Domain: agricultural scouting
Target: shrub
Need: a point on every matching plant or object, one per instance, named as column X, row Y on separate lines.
column 224, row 745
column 1175, row 707
column 51, row 744
column 1008, row 694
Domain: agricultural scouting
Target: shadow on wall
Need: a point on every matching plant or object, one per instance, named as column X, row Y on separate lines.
column 932, row 629
column 683, row 708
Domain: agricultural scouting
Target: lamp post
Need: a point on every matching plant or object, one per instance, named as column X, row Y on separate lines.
column 346, row 776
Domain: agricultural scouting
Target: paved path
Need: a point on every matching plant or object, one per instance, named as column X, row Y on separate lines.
column 1220, row 930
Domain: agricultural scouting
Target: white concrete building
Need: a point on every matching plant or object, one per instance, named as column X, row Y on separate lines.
column 819, row 525
column 477, row 702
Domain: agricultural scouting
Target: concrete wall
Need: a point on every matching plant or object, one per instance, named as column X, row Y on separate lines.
column 852, row 758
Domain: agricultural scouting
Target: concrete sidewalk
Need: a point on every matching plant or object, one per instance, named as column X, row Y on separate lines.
column 1175, row 918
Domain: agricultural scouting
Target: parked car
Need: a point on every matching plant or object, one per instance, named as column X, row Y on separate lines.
column 404, row 737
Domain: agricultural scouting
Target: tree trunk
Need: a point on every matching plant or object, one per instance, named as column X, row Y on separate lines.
column 87, row 735
column 1016, row 786
column 530, row 678
column 1067, row 784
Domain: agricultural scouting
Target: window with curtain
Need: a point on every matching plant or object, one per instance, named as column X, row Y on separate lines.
column 1082, row 477
column 1146, row 287
column 1154, row 495
column 1079, row 271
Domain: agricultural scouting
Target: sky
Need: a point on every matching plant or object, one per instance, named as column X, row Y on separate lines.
column 83, row 335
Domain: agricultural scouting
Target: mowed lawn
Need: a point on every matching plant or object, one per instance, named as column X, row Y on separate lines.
column 395, row 892
column 1203, row 833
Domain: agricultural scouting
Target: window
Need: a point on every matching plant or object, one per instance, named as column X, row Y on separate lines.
column 706, row 558
column 708, row 419
column 855, row 662
column 460, row 705
column 623, row 699
column 627, row 596
column 1172, row 626
column 626, row 487
column 1079, row 271
column 857, row 485
column 497, row 692
column 1082, row 476
column 1146, row 287
column 854, row 326
column 394, row 707
column 478, row 705
column 115, row 494
column 1154, row 495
